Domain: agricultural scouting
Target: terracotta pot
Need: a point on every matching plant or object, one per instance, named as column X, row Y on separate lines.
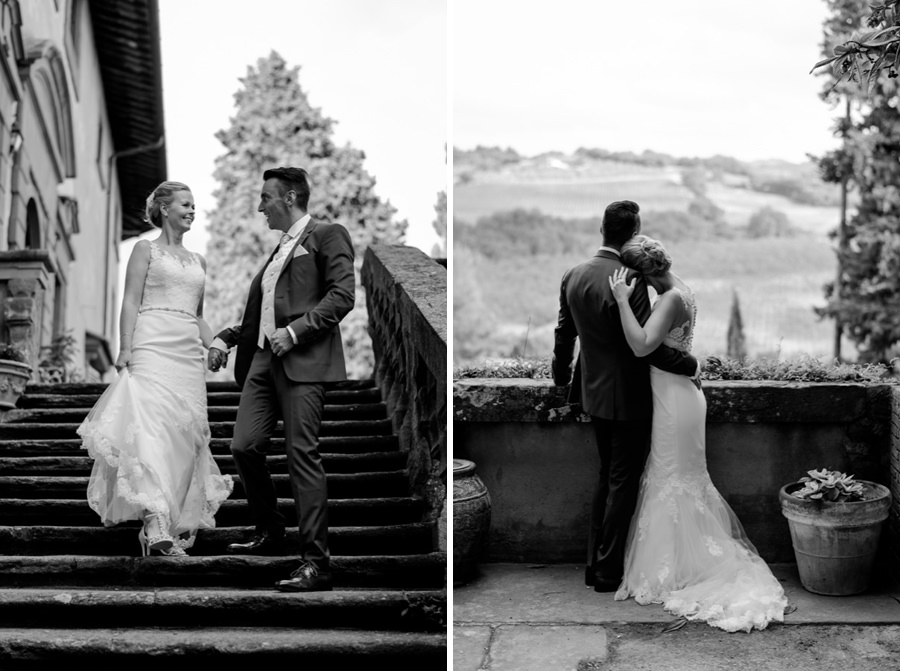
column 835, row 543
column 471, row 520
column 13, row 378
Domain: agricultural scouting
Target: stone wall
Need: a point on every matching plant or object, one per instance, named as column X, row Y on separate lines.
column 406, row 298
column 538, row 458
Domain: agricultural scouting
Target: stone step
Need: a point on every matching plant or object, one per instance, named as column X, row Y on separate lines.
column 31, row 430
column 277, row 463
column 399, row 539
column 225, row 413
column 383, row 484
column 221, row 648
column 69, row 388
column 341, row 512
column 43, row 607
column 327, row 445
column 52, row 399
column 421, row 571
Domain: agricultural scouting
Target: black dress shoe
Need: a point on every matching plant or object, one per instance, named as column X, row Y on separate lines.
column 261, row 544
column 307, row 578
column 606, row 585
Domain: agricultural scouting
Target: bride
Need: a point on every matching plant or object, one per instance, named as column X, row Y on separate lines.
column 686, row 549
column 148, row 433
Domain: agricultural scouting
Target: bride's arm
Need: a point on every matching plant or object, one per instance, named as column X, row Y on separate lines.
column 206, row 334
column 135, row 276
column 642, row 339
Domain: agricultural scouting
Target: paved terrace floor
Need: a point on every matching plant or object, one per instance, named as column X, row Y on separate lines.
column 527, row 617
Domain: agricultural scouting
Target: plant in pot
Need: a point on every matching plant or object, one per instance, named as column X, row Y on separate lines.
column 835, row 523
column 15, row 373
column 57, row 359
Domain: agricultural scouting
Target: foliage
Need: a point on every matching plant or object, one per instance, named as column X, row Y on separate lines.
column 473, row 324
column 60, row 353
column 866, row 55
column 737, row 344
column 440, row 225
column 802, row 369
column 865, row 301
column 828, row 485
column 11, row 353
column 768, row 222
column 275, row 125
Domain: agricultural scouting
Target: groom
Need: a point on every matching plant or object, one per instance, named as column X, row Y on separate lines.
column 612, row 385
column 288, row 347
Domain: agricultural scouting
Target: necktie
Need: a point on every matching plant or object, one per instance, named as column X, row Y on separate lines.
column 270, row 277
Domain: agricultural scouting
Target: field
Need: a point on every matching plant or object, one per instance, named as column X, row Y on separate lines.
column 778, row 281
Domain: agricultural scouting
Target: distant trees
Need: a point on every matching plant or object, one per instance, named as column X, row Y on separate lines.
column 736, row 346
column 439, row 250
column 768, row 222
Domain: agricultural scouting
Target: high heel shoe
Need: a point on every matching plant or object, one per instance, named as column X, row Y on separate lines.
column 152, row 537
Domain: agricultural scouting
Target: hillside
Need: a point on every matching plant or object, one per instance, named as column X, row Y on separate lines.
column 509, row 298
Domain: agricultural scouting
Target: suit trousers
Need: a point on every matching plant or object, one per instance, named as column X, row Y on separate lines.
column 267, row 395
column 623, row 447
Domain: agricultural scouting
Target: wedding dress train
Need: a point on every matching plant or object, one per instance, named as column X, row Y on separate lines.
column 686, row 548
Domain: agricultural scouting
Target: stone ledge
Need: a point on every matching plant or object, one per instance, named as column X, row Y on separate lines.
column 529, row 400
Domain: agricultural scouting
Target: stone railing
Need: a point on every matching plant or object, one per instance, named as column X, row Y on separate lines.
column 538, row 458
column 406, row 298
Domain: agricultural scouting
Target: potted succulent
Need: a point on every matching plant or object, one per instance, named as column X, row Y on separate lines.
column 15, row 373
column 835, row 522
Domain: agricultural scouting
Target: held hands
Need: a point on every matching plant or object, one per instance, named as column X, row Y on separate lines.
column 621, row 290
column 281, row 342
column 216, row 358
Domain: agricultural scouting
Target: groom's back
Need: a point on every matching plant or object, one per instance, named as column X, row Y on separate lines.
column 614, row 383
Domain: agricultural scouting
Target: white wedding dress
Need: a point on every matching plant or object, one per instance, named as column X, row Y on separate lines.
column 686, row 549
column 149, row 433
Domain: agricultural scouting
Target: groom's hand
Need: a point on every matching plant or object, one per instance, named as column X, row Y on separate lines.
column 216, row 358
column 281, row 342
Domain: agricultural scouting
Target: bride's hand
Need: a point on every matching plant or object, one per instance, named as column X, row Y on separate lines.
column 123, row 359
column 621, row 289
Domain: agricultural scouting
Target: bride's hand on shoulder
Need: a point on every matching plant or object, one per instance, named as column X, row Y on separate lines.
column 621, row 289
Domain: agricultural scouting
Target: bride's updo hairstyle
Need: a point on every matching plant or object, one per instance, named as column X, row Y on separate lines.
column 646, row 255
column 161, row 195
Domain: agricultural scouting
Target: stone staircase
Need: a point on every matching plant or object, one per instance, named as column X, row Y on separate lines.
column 72, row 590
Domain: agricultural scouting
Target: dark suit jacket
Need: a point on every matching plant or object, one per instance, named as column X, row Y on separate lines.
column 313, row 293
column 610, row 381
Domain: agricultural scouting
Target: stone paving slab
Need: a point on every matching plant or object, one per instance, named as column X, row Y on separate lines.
column 556, row 594
column 543, row 618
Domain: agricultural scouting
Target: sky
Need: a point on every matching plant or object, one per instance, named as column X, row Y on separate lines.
column 378, row 68
column 685, row 77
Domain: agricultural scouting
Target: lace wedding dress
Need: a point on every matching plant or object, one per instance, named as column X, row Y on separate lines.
column 148, row 433
column 686, row 549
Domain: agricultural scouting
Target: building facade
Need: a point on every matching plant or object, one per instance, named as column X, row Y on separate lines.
column 81, row 147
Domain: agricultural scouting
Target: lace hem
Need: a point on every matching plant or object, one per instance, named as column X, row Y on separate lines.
column 129, row 469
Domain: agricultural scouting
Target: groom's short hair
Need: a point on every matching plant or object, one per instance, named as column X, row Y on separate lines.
column 296, row 179
column 620, row 221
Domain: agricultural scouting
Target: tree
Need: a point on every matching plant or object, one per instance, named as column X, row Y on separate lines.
column 768, row 222
column 867, row 54
column 736, row 347
column 440, row 226
column 274, row 125
column 473, row 322
column 865, row 297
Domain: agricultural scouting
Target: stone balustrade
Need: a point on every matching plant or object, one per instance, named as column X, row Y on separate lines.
column 406, row 299
column 538, row 458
